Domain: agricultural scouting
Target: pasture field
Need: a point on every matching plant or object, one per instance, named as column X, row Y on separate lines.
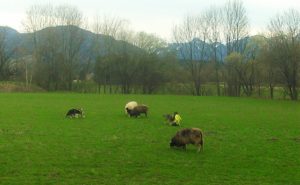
column 247, row 141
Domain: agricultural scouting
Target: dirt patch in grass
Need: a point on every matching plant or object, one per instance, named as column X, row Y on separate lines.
column 296, row 139
column 273, row 139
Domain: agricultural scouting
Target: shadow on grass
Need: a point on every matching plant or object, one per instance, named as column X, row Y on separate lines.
column 188, row 150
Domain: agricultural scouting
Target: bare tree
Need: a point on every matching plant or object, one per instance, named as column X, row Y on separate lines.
column 191, row 37
column 250, row 76
column 285, row 45
column 37, row 18
column 5, row 57
column 55, row 50
column 107, row 30
column 71, row 39
column 268, row 66
column 101, row 75
column 148, row 42
column 24, row 69
column 233, row 67
column 242, row 69
column 126, row 65
column 150, row 67
column 214, row 19
column 235, row 25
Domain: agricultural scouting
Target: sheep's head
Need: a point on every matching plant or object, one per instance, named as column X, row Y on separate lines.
column 128, row 110
column 82, row 112
column 173, row 142
column 168, row 117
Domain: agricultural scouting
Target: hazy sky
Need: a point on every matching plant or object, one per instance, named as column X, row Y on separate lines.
column 152, row 16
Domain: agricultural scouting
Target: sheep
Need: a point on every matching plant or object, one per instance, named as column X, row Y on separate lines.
column 133, row 113
column 188, row 136
column 73, row 113
column 169, row 118
column 130, row 105
column 136, row 111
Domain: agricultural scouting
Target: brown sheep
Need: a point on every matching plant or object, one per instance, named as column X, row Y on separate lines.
column 169, row 118
column 136, row 111
column 188, row 136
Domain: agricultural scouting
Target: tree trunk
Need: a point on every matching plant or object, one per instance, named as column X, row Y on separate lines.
column 271, row 91
column 218, row 82
column 99, row 88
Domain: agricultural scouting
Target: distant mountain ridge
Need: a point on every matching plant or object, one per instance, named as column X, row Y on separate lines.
column 201, row 50
column 14, row 40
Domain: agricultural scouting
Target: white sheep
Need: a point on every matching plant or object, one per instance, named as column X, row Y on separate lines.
column 130, row 106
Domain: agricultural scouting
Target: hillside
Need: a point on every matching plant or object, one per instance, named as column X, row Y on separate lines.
column 24, row 41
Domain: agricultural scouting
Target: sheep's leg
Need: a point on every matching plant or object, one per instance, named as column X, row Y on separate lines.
column 201, row 143
column 200, row 147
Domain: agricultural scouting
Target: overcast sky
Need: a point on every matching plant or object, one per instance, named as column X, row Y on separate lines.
column 152, row 16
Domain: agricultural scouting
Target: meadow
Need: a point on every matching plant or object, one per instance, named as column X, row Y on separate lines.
column 247, row 141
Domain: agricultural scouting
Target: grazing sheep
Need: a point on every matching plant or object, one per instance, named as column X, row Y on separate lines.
column 130, row 106
column 74, row 113
column 132, row 113
column 169, row 118
column 136, row 111
column 188, row 136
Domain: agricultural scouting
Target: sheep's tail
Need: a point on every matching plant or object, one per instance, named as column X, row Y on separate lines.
column 202, row 141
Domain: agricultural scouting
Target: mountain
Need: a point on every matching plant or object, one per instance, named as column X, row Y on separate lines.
column 15, row 41
column 182, row 50
column 12, row 38
column 203, row 51
column 24, row 41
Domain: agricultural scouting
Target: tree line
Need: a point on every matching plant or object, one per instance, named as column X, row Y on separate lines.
column 213, row 54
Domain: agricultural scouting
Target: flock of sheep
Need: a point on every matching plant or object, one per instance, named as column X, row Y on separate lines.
column 181, row 139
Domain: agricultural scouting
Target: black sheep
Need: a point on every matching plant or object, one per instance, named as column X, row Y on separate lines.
column 72, row 113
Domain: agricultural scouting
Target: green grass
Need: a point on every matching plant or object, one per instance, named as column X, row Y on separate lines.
column 247, row 141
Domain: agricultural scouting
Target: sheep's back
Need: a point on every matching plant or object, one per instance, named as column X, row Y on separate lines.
column 141, row 108
column 130, row 105
column 193, row 135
